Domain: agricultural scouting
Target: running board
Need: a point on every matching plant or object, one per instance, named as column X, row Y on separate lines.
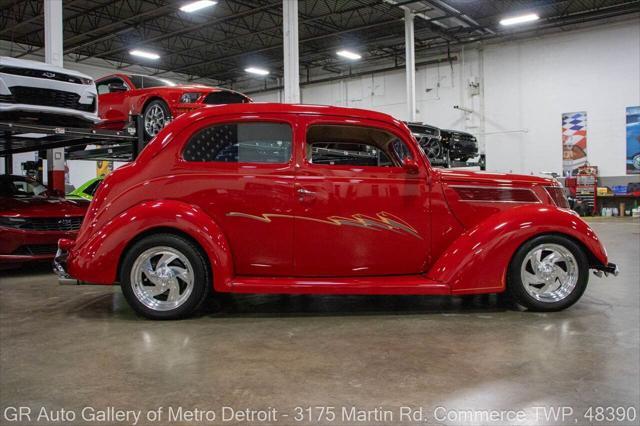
column 405, row 284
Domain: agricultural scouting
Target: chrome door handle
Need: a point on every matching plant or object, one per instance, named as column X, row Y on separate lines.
column 302, row 192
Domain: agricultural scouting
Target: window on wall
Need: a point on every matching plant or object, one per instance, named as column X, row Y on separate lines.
column 241, row 143
column 354, row 146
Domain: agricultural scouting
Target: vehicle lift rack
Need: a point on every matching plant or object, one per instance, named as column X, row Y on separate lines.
column 111, row 145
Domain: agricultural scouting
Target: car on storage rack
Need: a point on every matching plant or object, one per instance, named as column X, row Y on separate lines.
column 430, row 140
column 37, row 92
column 32, row 221
column 460, row 146
column 86, row 190
column 276, row 198
column 155, row 99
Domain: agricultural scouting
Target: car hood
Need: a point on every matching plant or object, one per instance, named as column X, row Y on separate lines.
column 41, row 207
column 188, row 88
column 24, row 63
column 455, row 176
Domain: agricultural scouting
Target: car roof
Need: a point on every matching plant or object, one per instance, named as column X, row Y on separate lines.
column 277, row 108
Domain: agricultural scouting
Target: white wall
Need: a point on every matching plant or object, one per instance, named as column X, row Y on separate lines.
column 525, row 88
column 528, row 85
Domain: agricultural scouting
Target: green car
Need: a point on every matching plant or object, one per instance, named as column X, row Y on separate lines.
column 86, row 190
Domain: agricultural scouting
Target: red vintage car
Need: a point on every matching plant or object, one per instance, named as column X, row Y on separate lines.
column 272, row 198
column 32, row 221
column 157, row 100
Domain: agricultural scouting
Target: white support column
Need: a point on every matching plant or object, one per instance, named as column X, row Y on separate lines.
column 53, row 54
column 291, row 55
column 410, row 63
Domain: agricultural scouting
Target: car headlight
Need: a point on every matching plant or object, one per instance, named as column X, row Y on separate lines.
column 12, row 222
column 86, row 80
column 189, row 98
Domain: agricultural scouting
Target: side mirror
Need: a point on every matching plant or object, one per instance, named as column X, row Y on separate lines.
column 117, row 87
column 410, row 166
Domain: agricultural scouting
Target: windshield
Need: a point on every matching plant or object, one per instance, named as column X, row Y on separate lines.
column 145, row 82
column 21, row 187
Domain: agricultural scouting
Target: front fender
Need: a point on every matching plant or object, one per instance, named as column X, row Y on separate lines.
column 142, row 100
column 478, row 260
column 97, row 259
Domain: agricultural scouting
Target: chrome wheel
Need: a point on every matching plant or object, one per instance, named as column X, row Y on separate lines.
column 162, row 278
column 549, row 272
column 154, row 120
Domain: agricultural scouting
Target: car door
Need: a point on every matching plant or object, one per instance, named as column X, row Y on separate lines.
column 358, row 211
column 240, row 172
column 113, row 106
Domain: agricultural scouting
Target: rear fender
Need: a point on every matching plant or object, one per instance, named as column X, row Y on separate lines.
column 478, row 260
column 97, row 260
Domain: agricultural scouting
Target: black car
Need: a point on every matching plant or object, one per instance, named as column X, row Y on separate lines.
column 429, row 139
column 460, row 145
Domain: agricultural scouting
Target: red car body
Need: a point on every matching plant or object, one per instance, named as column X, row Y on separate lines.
column 30, row 226
column 115, row 108
column 300, row 227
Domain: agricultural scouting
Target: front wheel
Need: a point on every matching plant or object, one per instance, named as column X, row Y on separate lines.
column 164, row 276
column 156, row 115
column 548, row 273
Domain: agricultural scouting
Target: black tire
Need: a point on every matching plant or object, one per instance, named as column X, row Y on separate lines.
column 516, row 289
column 201, row 276
column 148, row 135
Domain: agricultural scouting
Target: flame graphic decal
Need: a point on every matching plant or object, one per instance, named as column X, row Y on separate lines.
column 382, row 222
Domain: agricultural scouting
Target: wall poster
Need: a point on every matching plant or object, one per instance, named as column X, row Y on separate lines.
column 633, row 140
column 574, row 141
column 103, row 168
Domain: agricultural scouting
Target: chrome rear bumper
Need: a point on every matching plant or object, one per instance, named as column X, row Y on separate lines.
column 60, row 268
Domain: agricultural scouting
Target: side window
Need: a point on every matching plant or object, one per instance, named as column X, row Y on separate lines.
column 354, row 146
column 241, row 143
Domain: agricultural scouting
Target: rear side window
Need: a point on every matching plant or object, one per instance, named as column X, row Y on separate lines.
column 354, row 146
column 241, row 143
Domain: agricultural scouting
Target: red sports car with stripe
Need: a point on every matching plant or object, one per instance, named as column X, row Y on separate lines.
column 157, row 100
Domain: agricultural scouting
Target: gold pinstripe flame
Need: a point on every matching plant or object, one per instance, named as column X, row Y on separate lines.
column 383, row 221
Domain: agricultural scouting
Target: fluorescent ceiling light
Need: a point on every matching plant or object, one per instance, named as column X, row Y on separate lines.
column 348, row 54
column 519, row 19
column 197, row 5
column 258, row 71
column 144, row 54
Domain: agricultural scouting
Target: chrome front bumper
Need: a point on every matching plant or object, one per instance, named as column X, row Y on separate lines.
column 610, row 268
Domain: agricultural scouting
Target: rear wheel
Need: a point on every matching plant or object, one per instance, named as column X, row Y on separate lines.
column 164, row 276
column 548, row 273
